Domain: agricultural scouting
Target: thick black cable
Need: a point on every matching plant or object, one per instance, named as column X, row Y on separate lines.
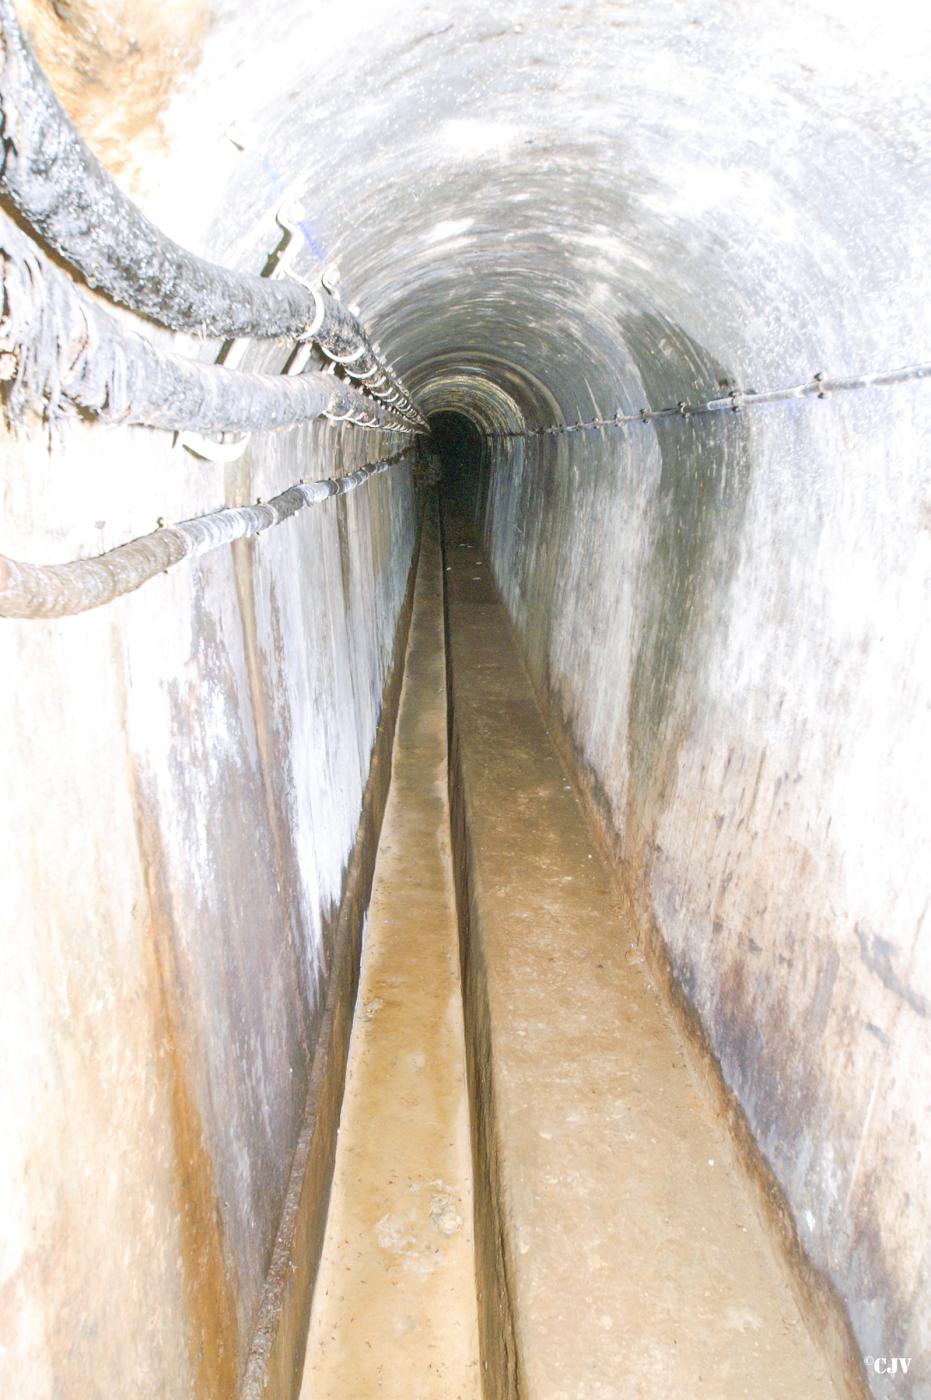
column 63, row 590
column 62, row 350
column 69, row 200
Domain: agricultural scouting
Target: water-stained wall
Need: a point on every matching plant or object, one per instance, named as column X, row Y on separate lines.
column 728, row 619
column 183, row 774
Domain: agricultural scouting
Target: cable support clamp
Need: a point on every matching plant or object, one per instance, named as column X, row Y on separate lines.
column 347, row 359
column 299, row 359
column 310, row 331
column 209, row 450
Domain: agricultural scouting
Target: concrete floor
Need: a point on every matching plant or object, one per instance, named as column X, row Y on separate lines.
column 618, row 1239
column 394, row 1310
column 618, row 1246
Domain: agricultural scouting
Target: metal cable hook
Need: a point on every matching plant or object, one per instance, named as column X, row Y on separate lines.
column 347, row 359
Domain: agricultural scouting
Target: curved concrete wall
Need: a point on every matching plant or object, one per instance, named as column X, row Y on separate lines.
column 563, row 210
column 183, row 774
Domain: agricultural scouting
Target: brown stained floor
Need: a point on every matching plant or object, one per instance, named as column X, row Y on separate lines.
column 394, row 1311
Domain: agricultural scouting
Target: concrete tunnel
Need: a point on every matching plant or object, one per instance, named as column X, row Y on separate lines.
column 579, row 1050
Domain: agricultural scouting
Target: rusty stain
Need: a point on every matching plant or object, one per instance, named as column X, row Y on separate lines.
column 209, row 1292
column 114, row 66
column 209, row 1296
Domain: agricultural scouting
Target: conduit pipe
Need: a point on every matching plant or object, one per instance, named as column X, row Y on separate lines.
column 62, row 590
column 70, row 201
column 60, row 348
column 820, row 386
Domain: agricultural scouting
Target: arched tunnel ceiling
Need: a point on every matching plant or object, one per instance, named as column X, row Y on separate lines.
column 557, row 195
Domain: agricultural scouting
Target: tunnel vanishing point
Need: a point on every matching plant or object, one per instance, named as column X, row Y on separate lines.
column 465, row 581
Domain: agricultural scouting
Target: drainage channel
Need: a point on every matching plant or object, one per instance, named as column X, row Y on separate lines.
column 394, row 1310
column 618, row 1252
